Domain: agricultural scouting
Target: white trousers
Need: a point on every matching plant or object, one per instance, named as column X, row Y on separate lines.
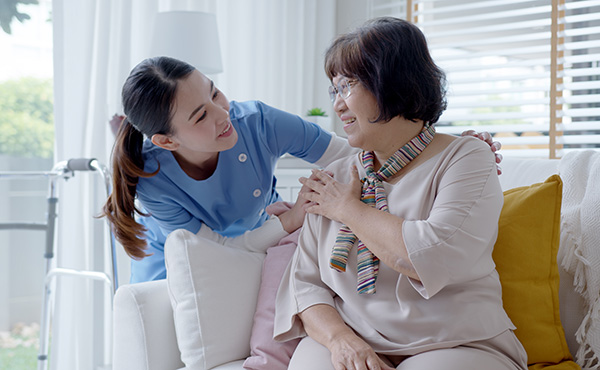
column 503, row 352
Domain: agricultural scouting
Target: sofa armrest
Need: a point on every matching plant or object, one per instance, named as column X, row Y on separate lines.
column 144, row 330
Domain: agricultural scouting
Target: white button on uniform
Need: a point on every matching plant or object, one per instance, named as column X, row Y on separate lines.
column 261, row 212
column 257, row 193
column 242, row 157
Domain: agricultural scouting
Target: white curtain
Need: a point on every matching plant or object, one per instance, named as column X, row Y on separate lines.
column 272, row 50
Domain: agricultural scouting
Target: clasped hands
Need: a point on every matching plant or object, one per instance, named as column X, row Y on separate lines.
column 330, row 198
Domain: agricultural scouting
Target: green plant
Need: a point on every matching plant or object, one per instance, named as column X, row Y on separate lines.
column 316, row 112
column 18, row 358
column 8, row 11
column 26, row 118
column 19, row 347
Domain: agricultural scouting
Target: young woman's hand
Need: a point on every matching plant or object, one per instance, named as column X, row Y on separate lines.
column 292, row 219
column 487, row 138
column 331, row 198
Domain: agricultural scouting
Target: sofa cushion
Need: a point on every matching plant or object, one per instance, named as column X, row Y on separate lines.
column 213, row 291
column 525, row 255
column 265, row 352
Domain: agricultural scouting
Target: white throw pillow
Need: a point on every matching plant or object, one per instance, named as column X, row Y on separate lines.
column 213, row 291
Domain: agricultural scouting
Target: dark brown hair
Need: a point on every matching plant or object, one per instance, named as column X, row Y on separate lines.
column 389, row 56
column 147, row 96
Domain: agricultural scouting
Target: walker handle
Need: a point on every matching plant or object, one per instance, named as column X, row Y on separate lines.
column 80, row 164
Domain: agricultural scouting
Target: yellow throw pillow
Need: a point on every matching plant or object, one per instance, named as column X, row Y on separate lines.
column 525, row 256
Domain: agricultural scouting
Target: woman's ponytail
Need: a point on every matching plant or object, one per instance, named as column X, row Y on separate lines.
column 120, row 209
column 147, row 97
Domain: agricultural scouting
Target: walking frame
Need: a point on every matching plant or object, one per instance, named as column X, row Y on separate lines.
column 61, row 170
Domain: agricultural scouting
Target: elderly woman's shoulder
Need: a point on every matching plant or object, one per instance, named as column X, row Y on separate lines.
column 341, row 167
column 472, row 143
column 456, row 147
column 466, row 142
column 468, row 146
column 445, row 139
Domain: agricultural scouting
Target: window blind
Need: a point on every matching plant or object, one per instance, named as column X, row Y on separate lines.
column 527, row 71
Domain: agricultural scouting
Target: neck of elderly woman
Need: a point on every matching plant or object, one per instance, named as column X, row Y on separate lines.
column 395, row 134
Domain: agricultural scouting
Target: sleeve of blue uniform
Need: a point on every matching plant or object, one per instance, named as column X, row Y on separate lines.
column 282, row 132
column 160, row 199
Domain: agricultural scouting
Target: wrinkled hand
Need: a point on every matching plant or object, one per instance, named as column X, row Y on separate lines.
column 331, row 198
column 352, row 353
column 494, row 145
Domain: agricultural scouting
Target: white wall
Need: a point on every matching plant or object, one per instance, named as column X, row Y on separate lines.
column 349, row 14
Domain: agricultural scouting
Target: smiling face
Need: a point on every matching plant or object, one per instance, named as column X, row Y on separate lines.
column 200, row 124
column 359, row 110
column 356, row 111
column 399, row 86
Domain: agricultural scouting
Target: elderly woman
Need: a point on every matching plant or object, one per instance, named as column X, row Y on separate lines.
column 394, row 265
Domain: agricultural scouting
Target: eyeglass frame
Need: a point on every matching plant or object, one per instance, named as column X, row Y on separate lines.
column 338, row 89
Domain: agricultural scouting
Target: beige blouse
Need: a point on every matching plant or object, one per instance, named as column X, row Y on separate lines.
column 451, row 204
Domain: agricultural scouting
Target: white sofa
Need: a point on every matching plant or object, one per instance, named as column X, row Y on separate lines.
column 144, row 332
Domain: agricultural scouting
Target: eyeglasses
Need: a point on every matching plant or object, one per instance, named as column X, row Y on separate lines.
column 342, row 89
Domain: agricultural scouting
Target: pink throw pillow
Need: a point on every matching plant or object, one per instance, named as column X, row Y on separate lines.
column 266, row 353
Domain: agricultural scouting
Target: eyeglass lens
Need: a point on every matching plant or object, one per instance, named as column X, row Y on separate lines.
column 342, row 88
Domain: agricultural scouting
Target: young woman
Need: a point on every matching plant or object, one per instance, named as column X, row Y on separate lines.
column 396, row 270
column 192, row 158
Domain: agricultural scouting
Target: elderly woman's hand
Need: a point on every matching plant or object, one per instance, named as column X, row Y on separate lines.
column 351, row 352
column 324, row 324
column 330, row 198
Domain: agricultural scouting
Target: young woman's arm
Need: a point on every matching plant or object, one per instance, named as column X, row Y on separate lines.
column 265, row 236
column 257, row 240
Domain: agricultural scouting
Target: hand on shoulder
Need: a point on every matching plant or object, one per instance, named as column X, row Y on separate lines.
column 495, row 146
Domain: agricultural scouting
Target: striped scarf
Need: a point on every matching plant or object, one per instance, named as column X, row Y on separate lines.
column 374, row 195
